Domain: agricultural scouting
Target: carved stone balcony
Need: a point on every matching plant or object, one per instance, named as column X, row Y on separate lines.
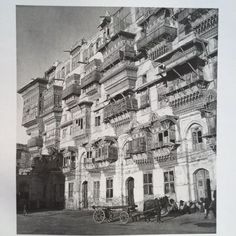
column 207, row 26
column 35, row 142
column 119, row 107
column 159, row 50
column 188, row 103
column 158, row 33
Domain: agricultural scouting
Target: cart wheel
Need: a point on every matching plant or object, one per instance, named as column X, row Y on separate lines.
column 124, row 217
column 98, row 216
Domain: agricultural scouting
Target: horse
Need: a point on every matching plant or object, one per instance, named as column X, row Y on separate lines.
column 156, row 206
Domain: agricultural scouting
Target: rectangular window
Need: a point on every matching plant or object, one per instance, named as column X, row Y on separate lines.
column 142, row 144
column 169, row 186
column 96, row 190
column 144, row 78
column 147, row 184
column 89, row 154
column 97, row 121
column 197, row 139
column 166, row 138
column 109, row 188
column 79, row 123
column 71, row 186
column 160, row 139
column 64, row 133
column 144, row 99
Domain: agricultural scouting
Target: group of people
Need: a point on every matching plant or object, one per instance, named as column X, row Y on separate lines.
column 155, row 206
column 204, row 205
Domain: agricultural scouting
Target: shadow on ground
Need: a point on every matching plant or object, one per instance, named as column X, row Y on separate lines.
column 206, row 224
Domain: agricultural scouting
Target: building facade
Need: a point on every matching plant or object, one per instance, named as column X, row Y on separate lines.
column 40, row 182
column 138, row 109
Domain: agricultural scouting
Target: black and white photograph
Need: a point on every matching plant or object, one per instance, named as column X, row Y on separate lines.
column 116, row 120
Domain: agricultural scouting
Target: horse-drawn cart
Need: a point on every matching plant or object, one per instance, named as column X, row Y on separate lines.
column 125, row 213
column 110, row 213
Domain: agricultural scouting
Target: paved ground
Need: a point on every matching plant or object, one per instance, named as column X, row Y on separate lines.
column 75, row 222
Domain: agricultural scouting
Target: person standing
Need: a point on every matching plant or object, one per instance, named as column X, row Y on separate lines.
column 158, row 210
column 207, row 207
column 25, row 212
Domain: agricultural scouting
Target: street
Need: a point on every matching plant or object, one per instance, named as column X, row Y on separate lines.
column 81, row 222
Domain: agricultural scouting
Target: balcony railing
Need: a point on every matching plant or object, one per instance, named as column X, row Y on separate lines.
column 206, row 23
column 93, row 77
column 158, row 51
column 121, row 106
column 73, row 89
column 35, row 142
column 188, row 103
column 157, row 34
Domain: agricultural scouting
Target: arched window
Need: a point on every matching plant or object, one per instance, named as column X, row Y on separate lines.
column 197, row 138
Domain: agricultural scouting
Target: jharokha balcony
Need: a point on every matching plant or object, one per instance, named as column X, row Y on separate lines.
column 120, row 78
column 188, row 80
column 93, row 77
column 192, row 48
column 124, row 52
column 119, row 107
column 156, row 34
column 92, row 73
column 103, row 154
column 70, row 93
column 69, row 156
column 35, row 142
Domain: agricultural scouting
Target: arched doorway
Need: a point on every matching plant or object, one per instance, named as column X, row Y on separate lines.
column 85, row 194
column 202, row 184
column 130, row 191
column 23, row 195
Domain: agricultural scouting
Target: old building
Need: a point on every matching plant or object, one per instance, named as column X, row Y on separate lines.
column 137, row 112
column 40, row 177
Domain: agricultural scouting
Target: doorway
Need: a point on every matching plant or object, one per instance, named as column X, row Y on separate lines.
column 130, row 191
column 85, row 194
column 202, row 184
